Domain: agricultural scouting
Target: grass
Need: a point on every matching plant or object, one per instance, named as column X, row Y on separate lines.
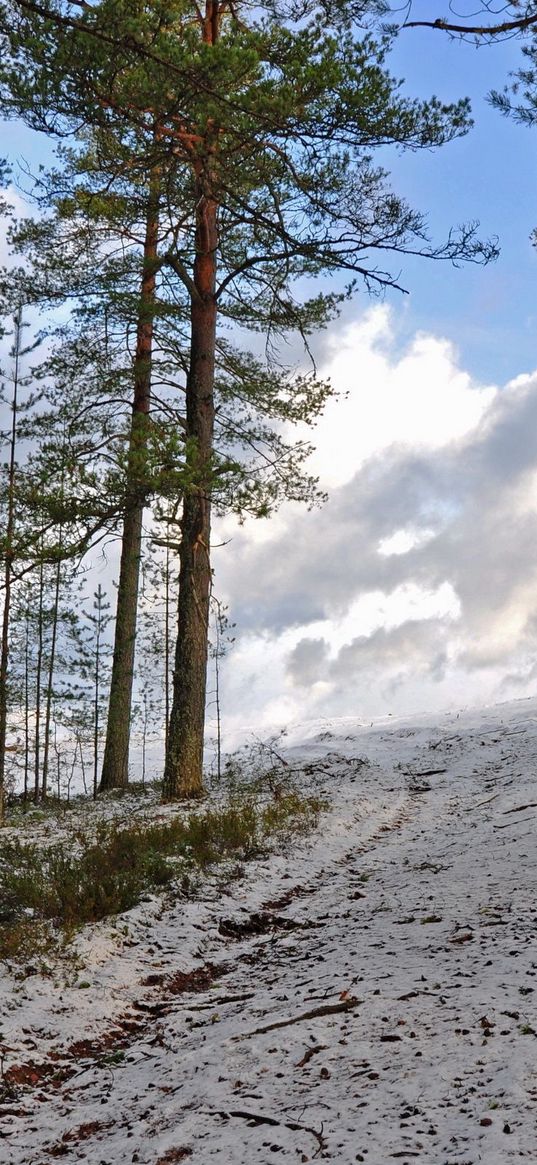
column 47, row 891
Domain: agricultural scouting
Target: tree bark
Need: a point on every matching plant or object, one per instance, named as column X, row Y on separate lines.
column 183, row 768
column 38, row 675
column 53, row 644
column 4, row 664
column 115, row 771
column 96, row 688
column 183, row 772
column 26, row 705
column 50, row 681
column 8, row 568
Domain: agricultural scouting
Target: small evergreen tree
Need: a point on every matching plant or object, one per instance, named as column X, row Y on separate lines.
column 93, row 666
column 15, row 535
column 219, row 644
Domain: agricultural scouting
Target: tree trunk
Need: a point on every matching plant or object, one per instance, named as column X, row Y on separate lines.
column 96, row 694
column 50, row 681
column 217, row 655
column 183, row 773
column 8, row 569
column 115, row 772
column 53, row 644
column 4, row 664
column 26, row 705
column 167, row 645
column 38, row 677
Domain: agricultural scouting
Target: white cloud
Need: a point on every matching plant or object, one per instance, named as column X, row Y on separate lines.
column 416, row 586
column 419, row 399
column 404, row 540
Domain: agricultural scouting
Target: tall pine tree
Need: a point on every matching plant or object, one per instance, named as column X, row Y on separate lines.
column 262, row 122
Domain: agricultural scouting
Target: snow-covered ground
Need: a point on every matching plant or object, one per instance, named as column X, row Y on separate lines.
column 370, row 995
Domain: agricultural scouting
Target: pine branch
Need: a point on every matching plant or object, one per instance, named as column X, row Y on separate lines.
column 520, row 25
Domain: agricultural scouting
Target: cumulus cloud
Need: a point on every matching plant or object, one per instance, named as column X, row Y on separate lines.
column 419, row 576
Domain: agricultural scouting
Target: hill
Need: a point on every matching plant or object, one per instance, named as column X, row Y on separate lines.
column 364, row 992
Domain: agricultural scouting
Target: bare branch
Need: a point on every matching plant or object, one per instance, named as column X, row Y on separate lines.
column 519, row 25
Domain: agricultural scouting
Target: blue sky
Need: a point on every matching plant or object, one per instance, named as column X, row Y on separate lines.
column 490, row 175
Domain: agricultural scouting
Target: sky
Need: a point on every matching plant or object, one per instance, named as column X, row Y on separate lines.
column 415, row 587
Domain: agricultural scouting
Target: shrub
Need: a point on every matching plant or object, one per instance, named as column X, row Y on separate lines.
column 91, row 877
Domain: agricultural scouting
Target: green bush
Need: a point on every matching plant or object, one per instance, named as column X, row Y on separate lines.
column 91, row 877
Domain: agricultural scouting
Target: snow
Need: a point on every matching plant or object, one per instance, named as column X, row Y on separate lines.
column 384, row 1010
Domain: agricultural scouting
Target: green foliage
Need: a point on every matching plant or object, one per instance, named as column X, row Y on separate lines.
column 518, row 99
column 24, row 940
column 281, row 114
column 67, row 884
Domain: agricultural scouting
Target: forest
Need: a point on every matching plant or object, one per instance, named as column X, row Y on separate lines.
column 212, row 190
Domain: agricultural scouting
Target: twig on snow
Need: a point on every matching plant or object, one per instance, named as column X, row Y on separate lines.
column 214, row 1004
column 326, row 1009
column 519, row 808
column 312, row 1051
column 487, row 802
column 443, row 740
column 424, row 773
column 510, row 824
column 258, row 1118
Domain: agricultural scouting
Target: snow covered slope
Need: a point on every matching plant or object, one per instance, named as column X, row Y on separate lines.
column 369, row 996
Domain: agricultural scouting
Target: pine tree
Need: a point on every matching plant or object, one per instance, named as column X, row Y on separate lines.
column 7, row 551
column 93, row 666
column 261, row 124
column 15, row 535
column 155, row 640
column 219, row 644
column 115, row 771
column 87, row 381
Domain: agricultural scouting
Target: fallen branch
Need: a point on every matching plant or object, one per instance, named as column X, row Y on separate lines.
column 443, row 740
column 487, row 802
column 309, row 1053
column 214, row 1004
column 519, row 808
column 258, row 1118
column 414, row 995
column 315, row 1013
column 509, row 824
column 425, row 773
